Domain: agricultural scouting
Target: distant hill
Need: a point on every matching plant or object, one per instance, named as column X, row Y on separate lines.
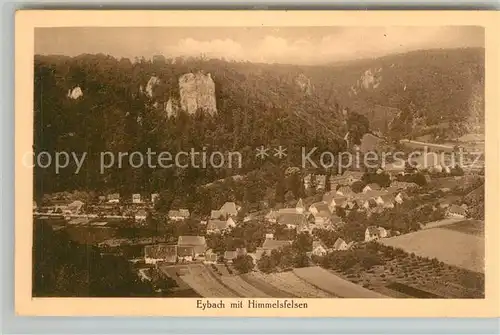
column 434, row 86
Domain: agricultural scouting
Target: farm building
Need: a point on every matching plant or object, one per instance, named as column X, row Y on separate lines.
column 160, row 253
column 198, row 243
column 456, row 211
column 178, row 215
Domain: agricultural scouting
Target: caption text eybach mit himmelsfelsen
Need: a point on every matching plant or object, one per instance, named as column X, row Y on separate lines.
column 251, row 303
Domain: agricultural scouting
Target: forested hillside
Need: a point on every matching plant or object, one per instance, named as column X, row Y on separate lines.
column 257, row 104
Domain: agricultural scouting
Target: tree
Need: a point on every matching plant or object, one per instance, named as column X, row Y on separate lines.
column 266, row 264
column 243, row 263
column 358, row 186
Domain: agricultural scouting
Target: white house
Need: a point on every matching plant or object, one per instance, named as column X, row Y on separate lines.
column 300, row 207
column 136, row 198
column 374, row 233
column 318, row 248
column 455, row 211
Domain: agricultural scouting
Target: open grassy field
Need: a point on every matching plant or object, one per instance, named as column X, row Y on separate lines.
column 336, row 286
column 447, row 245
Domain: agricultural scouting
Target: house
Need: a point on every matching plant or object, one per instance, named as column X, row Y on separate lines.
column 215, row 226
column 349, row 177
column 335, row 200
column 455, row 211
column 270, row 244
column 230, row 209
column 154, row 198
column 140, row 215
column 186, row 254
column 291, row 220
column 399, row 198
column 320, row 182
column 271, row 216
column 210, row 257
column 161, row 252
column 307, row 181
column 374, row 233
column 114, row 198
column 300, row 207
column 371, row 187
column 387, row 200
column 217, row 214
column 75, row 207
column 319, row 249
column 136, row 198
column 345, row 191
column 198, row 243
column 319, row 207
column 101, row 199
column 341, row 245
column 229, row 256
column 402, row 185
column 178, row 215
column 448, row 201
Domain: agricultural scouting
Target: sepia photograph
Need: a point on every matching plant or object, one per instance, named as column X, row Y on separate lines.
column 266, row 164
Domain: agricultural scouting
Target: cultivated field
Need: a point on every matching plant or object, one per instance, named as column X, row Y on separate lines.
column 265, row 287
column 327, row 281
column 205, row 284
column 289, row 282
column 447, row 245
column 244, row 289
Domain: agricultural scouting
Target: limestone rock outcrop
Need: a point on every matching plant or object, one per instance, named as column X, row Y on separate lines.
column 75, row 93
column 197, row 91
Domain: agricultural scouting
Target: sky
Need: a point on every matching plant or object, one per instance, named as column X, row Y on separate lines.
column 291, row 45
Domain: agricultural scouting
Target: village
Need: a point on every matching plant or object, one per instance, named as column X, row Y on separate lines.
column 305, row 240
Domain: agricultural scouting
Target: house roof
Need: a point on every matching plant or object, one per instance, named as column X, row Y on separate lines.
column 286, row 211
column 230, row 255
column 185, row 251
column 321, row 207
column 216, row 214
column 338, row 243
column 372, row 230
column 354, row 174
column 274, row 244
column 295, row 219
column 374, row 186
column 345, row 190
column 161, row 251
column 387, row 197
column 229, row 208
column 457, row 210
column 394, row 167
column 190, row 240
column 300, row 204
column 217, row 224
column 318, row 244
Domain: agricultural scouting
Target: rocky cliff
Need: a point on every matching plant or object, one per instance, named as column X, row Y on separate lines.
column 197, row 91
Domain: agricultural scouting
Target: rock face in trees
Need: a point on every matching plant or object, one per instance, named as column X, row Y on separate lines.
column 197, row 91
column 75, row 93
column 150, row 86
column 171, row 107
column 370, row 79
column 304, row 83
